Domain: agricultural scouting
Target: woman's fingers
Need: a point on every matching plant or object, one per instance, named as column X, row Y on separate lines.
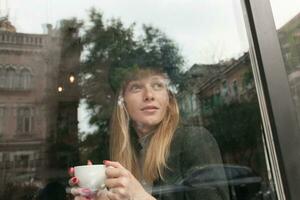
column 101, row 194
column 89, row 162
column 71, row 171
column 77, row 191
column 81, row 198
column 73, row 181
column 117, row 182
column 109, row 163
column 117, row 193
column 115, row 172
column 112, row 196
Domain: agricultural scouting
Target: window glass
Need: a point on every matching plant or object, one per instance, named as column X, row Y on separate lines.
column 2, row 117
column 287, row 20
column 24, row 120
column 25, row 79
column 11, row 78
column 2, row 77
column 105, row 80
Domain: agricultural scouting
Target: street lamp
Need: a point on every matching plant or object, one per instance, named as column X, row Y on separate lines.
column 60, row 89
column 72, row 78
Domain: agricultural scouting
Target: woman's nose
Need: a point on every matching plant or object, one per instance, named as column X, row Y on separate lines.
column 148, row 95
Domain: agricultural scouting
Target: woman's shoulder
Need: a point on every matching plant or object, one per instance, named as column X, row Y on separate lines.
column 194, row 133
column 194, row 141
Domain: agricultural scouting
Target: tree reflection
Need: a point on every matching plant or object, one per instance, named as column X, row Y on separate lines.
column 112, row 50
column 237, row 128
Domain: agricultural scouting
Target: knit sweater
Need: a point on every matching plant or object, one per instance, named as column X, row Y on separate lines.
column 190, row 173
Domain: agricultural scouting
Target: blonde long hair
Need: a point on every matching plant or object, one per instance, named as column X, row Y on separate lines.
column 121, row 147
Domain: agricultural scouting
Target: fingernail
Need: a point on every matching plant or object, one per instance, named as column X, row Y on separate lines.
column 86, row 192
column 89, row 162
column 74, row 180
column 71, row 171
column 105, row 161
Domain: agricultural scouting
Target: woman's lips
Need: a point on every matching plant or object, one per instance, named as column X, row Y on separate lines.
column 149, row 108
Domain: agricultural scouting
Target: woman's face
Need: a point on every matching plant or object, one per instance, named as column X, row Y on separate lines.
column 146, row 100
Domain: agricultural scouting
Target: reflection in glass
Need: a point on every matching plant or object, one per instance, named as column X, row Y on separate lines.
column 289, row 37
column 25, row 79
column 44, row 76
column 228, row 107
column 38, row 129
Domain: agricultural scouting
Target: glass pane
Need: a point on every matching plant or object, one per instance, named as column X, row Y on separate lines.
column 287, row 20
column 101, row 80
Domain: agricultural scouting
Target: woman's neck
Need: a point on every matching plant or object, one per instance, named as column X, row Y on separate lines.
column 142, row 129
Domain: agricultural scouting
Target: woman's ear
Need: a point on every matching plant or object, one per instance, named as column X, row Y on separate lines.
column 120, row 100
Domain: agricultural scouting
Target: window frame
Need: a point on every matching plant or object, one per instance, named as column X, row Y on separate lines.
column 277, row 109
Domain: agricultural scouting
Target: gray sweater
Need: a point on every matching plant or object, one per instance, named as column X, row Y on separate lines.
column 195, row 169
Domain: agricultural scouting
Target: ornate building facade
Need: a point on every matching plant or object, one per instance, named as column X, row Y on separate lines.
column 39, row 97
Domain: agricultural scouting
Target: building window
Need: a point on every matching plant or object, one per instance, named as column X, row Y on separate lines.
column 25, row 79
column 5, row 156
column 2, row 78
column 21, row 161
column 24, row 120
column 235, row 88
column 217, row 99
column 224, row 88
column 194, row 103
column 207, row 105
column 248, row 81
column 11, row 78
column 2, row 117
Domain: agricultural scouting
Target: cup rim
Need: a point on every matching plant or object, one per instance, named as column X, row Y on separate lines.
column 89, row 166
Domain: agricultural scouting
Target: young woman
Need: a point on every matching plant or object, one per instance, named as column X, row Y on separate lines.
column 151, row 157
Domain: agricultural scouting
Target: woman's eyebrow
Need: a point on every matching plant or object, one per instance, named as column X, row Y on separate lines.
column 158, row 78
column 133, row 82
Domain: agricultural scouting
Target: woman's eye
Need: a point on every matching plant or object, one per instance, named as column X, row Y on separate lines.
column 135, row 88
column 158, row 86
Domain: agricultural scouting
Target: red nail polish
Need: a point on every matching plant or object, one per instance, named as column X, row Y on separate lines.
column 74, row 180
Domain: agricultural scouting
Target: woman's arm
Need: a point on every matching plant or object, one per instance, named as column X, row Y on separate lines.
column 199, row 160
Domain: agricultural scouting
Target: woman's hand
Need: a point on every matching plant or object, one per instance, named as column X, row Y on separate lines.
column 84, row 193
column 122, row 185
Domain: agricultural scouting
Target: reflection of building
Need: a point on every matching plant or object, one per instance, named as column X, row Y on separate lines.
column 233, row 83
column 289, row 37
column 31, row 69
column 209, row 86
column 5, row 25
column 224, row 101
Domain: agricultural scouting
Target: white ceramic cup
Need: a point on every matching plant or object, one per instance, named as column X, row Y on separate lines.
column 91, row 176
